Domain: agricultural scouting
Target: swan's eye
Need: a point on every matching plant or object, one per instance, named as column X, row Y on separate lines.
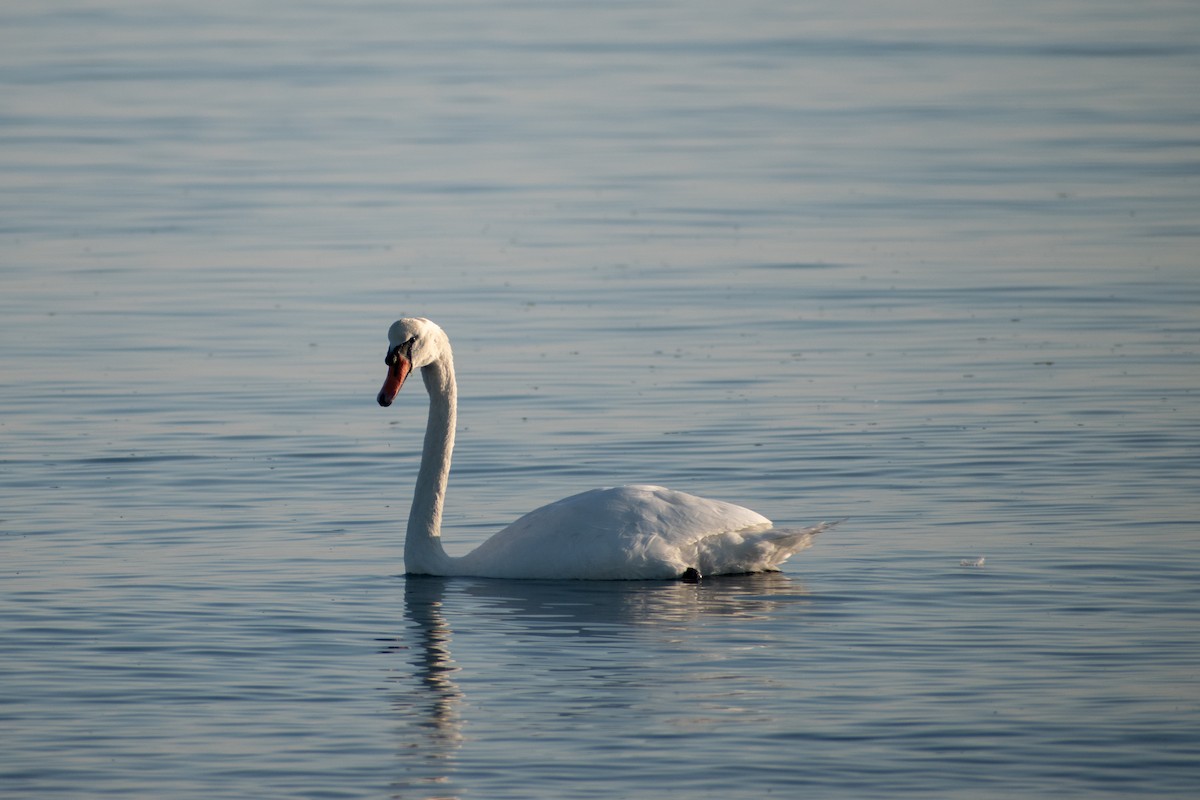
column 393, row 356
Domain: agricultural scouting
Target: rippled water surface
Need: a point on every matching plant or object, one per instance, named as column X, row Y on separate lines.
column 931, row 267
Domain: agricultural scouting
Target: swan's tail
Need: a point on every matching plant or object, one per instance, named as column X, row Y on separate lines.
column 785, row 543
column 758, row 551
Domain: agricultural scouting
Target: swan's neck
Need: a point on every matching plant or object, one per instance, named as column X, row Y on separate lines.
column 423, row 553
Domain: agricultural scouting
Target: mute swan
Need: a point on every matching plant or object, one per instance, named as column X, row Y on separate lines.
column 628, row 532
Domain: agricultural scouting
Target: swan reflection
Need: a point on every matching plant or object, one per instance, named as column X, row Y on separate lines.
column 428, row 704
column 615, row 607
column 597, row 629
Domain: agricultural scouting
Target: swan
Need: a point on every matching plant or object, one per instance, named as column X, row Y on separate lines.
column 621, row 533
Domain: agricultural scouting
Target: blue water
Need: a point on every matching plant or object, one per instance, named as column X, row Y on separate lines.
column 932, row 267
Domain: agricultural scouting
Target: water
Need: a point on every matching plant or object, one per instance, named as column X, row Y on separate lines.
column 932, row 268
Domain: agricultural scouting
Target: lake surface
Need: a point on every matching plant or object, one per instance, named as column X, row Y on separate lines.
column 930, row 267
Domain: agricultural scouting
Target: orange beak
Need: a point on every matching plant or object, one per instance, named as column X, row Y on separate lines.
column 398, row 369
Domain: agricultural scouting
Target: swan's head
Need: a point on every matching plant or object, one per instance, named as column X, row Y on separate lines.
column 413, row 342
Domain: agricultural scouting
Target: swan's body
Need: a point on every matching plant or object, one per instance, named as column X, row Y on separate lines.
column 628, row 532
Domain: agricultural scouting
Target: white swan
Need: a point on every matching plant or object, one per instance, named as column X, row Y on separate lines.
column 630, row 532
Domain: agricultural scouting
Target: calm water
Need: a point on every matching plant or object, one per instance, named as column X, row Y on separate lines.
column 932, row 266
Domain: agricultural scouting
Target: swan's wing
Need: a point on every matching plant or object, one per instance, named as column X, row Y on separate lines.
column 623, row 532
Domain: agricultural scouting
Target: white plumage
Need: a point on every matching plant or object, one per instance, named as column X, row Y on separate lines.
column 627, row 532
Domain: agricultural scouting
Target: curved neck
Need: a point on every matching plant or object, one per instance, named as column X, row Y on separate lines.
column 423, row 553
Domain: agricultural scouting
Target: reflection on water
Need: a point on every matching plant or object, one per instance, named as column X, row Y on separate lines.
column 603, row 607
column 565, row 619
column 430, row 706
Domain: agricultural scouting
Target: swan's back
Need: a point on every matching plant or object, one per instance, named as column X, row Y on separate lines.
column 632, row 532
